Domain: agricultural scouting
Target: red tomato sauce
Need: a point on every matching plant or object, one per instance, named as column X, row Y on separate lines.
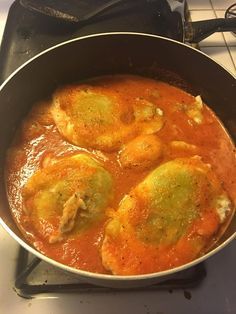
column 38, row 137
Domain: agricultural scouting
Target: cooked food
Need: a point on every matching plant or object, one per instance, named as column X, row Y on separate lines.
column 172, row 213
column 75, row 191
column 121, row 175
column 99, row 116
column 142, row 152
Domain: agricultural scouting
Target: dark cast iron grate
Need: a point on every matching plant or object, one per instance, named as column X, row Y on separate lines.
column 231, row 12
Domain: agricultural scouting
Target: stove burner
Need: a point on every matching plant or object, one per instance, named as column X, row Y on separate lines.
column 34, row 276
column 230, row 13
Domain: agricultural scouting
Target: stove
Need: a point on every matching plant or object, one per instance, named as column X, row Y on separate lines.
column 29, row 285
column 29, row 32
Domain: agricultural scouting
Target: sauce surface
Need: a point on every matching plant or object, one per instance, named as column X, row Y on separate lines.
column 38, row 140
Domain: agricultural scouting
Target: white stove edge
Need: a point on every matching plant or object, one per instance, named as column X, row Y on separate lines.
column 217, row 294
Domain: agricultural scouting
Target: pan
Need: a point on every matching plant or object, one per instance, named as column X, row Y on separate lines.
column 82, row 16
column 111, row 53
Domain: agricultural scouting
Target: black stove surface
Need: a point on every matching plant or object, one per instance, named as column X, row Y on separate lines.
column 27, row 33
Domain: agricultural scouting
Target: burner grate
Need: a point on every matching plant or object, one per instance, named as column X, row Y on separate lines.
column 231, row 13
column 34, row 277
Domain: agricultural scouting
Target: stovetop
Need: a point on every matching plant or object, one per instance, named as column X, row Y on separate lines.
column 213, row 293
column 28, row 33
